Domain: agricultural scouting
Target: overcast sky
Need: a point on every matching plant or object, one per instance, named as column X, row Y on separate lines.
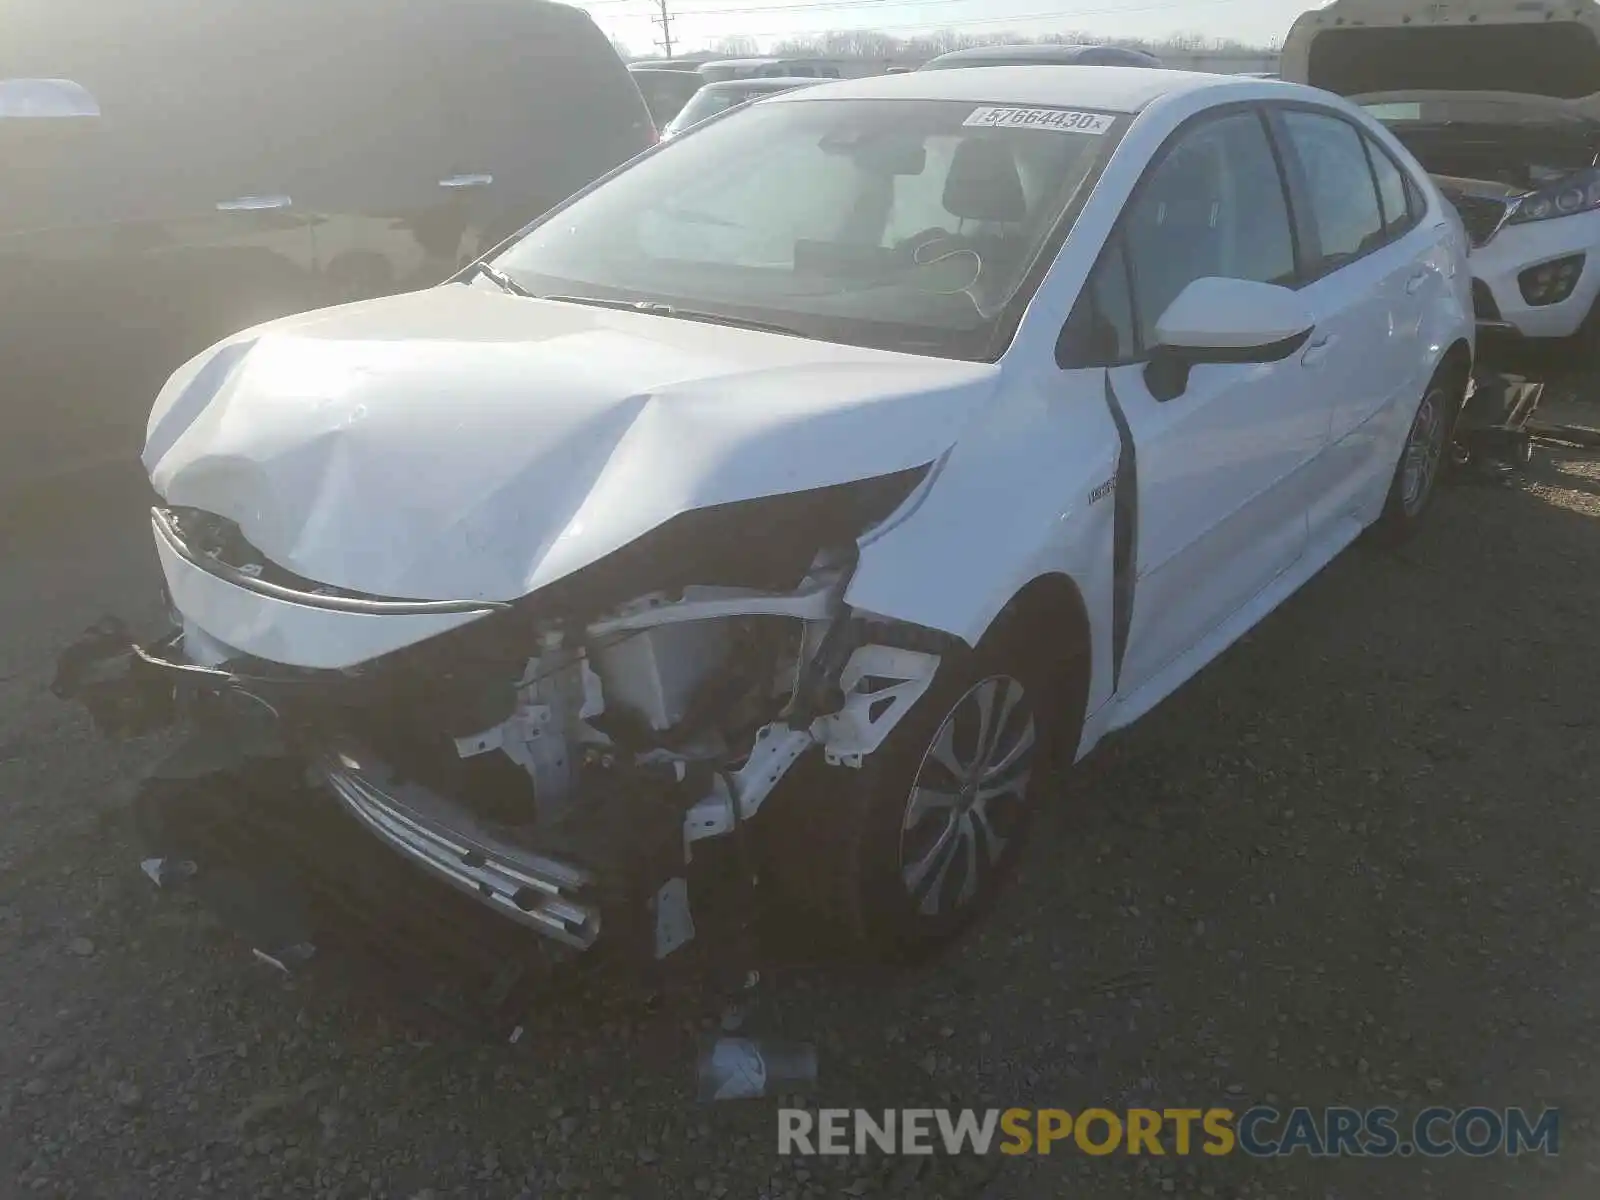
column 699, row 22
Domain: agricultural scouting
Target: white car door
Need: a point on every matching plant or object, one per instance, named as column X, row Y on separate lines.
column 1369, row 282
column 1221, row 468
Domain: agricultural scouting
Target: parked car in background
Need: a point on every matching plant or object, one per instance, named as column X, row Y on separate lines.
column 1500, row 100
column 665, row 90
column 784, row 500
column 1044, row 53
column 714, row 98
column 276, row 156
column 721, row 70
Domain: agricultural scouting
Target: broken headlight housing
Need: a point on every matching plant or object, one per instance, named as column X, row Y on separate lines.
column 1572, row 195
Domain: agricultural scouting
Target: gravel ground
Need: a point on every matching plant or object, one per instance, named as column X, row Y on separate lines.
column 1357, row 862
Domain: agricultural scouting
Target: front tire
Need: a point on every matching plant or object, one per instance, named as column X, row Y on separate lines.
column 894, row 860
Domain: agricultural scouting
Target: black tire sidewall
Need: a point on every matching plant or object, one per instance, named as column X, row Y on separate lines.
column 1396, row 523
column 886, row 918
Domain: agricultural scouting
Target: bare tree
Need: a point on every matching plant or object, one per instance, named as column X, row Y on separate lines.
column 621, row 47
column 738, row 45
column 876, row 45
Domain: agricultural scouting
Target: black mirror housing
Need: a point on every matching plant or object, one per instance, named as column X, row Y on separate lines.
column 1167, row 372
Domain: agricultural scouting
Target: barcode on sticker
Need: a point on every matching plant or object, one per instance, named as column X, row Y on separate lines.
column 1062, row 120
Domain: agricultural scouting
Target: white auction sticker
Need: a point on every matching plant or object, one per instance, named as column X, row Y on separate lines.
column 1062, row 120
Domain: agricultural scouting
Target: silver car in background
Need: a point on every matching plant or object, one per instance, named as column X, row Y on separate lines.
column 716, row 98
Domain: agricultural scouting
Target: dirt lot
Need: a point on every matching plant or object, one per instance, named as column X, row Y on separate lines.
column 1356, row 862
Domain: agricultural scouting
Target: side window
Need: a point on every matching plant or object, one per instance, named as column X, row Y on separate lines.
column 1398, row 214
column 1100, row 332
column 1343, row 199
column 1214, row 206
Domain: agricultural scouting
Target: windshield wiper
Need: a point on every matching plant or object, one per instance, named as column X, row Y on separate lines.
column 655, row 308
column 497, row 277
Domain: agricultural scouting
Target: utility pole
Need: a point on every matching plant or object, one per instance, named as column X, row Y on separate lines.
column 663, row 19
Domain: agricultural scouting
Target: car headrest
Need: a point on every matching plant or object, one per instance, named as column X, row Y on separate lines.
column 983, row 184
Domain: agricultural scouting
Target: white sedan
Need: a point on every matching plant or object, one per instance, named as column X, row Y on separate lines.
column 802, row 484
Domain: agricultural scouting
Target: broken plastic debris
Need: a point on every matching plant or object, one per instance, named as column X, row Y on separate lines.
column 733, row 1068
column 163, row 871
column 288, row 957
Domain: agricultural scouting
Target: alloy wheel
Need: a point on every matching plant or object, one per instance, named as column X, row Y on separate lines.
column 1419, row 464
column 969, row 796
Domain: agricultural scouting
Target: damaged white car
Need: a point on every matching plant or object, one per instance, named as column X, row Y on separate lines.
column 796, row 489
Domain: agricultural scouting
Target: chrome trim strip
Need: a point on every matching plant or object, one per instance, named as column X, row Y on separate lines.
column 491, row 872
column 349, row 604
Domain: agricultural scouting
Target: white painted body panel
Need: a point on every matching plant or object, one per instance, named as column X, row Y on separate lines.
column 462, row 444
column 1225, row 477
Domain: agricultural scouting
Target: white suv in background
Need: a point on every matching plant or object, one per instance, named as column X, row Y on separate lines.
column 1497, row 100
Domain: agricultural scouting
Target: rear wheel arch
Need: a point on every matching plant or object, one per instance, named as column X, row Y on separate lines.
column 1456, row 364
column 1453, row 373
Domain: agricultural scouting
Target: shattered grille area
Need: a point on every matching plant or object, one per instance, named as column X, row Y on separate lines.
column 211, row 536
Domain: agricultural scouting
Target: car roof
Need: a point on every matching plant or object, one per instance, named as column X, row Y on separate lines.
column 775, row 82
column 1039, row 53
column 738, row 62
column 1113, row 89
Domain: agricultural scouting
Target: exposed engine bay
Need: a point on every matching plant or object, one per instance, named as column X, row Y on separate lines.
column 1491, row 153
column 1524, row 158
column 559, row 760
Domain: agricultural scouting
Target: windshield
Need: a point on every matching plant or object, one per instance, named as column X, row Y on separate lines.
column 906, row 225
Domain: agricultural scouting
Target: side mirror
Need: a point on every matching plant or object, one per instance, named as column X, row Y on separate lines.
column 1225, row 321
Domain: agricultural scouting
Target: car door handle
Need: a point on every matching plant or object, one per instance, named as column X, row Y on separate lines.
column 1414, row 284
column 1318, row 350
column 254, row 204
column 466, row 181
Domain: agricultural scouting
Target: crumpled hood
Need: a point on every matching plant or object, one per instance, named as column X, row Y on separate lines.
column 464, row 444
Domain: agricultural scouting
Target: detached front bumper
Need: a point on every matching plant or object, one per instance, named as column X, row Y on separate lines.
column 258, row 748
column 547, row 895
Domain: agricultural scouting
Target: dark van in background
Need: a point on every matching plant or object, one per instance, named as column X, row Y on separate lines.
column 174, row 171
column 666, row 90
